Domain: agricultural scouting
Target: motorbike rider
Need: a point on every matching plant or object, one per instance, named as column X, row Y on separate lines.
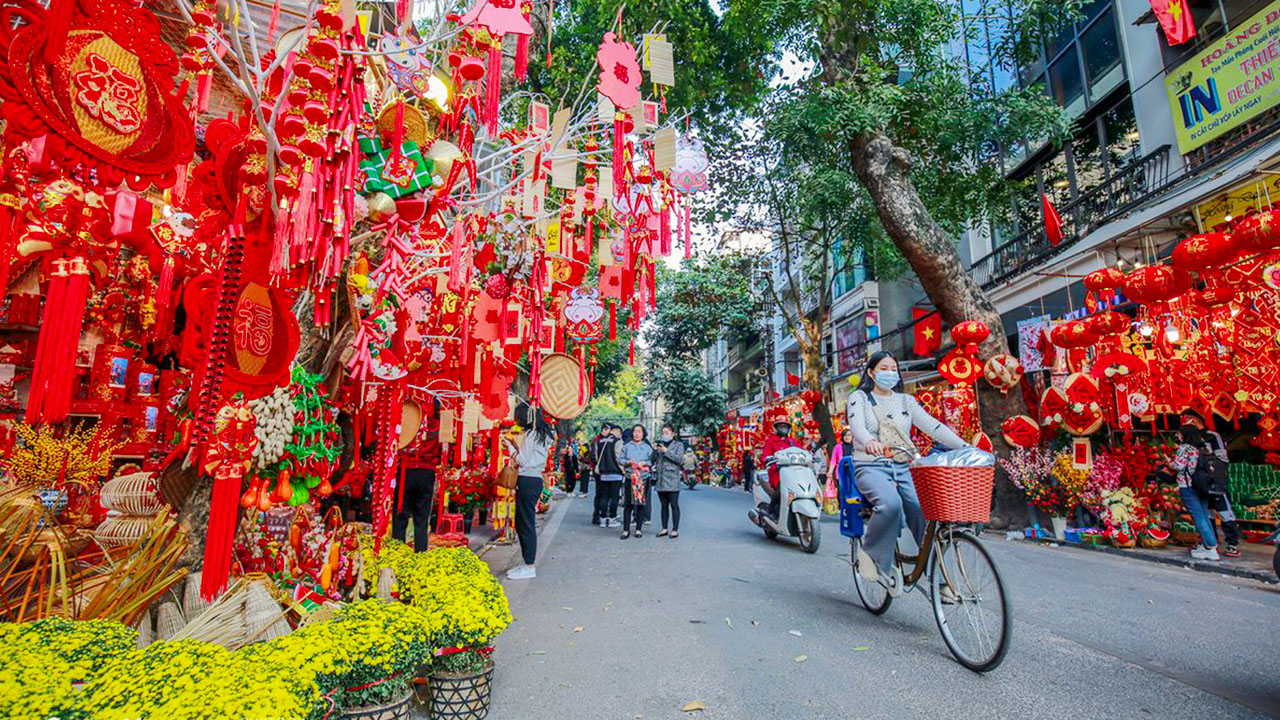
column 779, row 440
column 881, row 417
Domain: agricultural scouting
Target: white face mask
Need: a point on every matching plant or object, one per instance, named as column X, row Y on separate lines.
column 667, row 437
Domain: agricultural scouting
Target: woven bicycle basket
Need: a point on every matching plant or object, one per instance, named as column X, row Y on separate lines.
column 132, row 494
column 955, row 494
column 460, row 698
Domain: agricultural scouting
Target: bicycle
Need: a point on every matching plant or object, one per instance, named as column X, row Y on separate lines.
column 970, row 605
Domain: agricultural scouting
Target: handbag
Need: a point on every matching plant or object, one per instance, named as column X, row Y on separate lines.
column 508, row 477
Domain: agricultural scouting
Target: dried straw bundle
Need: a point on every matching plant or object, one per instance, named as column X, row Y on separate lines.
column 386, row 580
column 223, row 622
column 169, row 621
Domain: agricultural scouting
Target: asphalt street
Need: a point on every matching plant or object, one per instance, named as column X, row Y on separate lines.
column 750, row 628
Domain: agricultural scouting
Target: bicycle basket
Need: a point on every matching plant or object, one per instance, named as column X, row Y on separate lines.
column 955, row 494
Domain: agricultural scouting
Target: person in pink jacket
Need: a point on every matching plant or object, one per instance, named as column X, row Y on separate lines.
column 842, row 451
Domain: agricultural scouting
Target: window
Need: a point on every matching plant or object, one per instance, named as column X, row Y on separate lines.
column 1065, row 83
column 1101, row 56
column 1123, row 140
column 1088, row 159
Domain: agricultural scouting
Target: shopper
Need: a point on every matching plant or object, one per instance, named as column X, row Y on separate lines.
column 416, row 494
column 584, row 470
column 840, row 468
column 608, row 469
column 635, row 458
column 529, row 451
column 1218, row 502
column 1184, row 462
column 748, row 470
column 569, row 467
column 668, row 470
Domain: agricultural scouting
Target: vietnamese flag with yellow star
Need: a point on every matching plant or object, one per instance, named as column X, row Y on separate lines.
column 1175, row 18
column 928, row 331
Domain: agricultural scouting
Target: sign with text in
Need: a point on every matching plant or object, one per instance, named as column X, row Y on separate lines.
column 1231, row 81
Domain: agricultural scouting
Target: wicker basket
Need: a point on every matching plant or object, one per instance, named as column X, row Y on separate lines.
column 464, row 697
column 169, row 621
column 121, row 530
column 395, row 710
column 1184, row 538
column 192, row 603
column 1150, row 542
column 1126, row 545
column 133, row 494
column 955, row 494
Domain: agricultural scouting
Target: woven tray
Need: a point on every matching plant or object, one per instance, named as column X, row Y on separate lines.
column 133, row 494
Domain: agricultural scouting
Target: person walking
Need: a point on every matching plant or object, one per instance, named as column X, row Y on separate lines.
column 606, row 453
column 529, row 451
column 840, row 468
column 416, row 495
column 668, row 464
column 1218, row 502
column 635, row 458
column 584, row 469
column 748, row 470
column 1184, row 462
column 569, row 466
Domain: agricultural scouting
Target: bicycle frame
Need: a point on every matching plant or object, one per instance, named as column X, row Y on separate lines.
column 920, row 559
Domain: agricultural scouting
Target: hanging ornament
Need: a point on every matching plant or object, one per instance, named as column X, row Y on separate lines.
column 1003, row 371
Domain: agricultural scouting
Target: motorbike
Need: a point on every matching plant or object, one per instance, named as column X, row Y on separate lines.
column 798, row 508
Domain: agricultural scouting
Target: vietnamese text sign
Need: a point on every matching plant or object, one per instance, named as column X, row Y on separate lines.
column 1229, row 82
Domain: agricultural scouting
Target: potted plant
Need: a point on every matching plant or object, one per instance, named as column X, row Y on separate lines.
column 459, row 684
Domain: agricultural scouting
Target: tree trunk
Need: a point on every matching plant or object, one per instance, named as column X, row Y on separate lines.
column 884, row 169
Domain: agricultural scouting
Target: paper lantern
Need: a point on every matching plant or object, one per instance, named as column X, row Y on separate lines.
column 1156, row 284
column 1204, row 251
column 1258, row 232
column 970, row 333
column 1003, row 371
column 1104, row 280
column 1073, row 334
column 1109, row 323
column 1020, row 431
column 1216, row 296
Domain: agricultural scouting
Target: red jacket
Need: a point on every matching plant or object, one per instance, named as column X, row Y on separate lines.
column 773, row 444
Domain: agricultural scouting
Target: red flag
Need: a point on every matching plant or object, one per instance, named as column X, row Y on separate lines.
column 928, row 331
column 793, row 379
column 1175, row 18
column 1052, row 222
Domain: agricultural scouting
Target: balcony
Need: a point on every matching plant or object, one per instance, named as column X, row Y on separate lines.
column 1127, row 189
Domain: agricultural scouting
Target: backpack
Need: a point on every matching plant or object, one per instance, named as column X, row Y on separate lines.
column 1210, row 474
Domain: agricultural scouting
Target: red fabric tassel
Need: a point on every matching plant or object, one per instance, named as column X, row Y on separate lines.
column 58, row 27
column 631, row 354
column 164, row 298
column 204, row 83
column 493, row 90
column 223, row 511
column 688, row 236
column 613, row 320
column 619, row 156
column 588, row 243
column 402, row 11
column 664, row 232
column 551, row 12
column 6, row 248
column 275, row 21
column 54, row 371
column 522, row 58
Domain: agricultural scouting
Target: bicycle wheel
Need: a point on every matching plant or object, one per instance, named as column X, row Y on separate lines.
column 874, row 596
column 974, row 618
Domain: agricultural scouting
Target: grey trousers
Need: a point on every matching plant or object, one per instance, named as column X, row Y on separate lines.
column 888, row 488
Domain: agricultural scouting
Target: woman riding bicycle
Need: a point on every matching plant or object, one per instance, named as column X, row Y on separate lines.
column 881, row 418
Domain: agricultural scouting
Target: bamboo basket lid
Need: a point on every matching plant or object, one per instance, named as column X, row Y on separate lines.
column 565, row 394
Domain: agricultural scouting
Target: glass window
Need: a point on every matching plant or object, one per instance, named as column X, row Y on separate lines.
column 1065, row 82
column 1100, row 46
column 1123, row 140
column 1091, row 9
column 1087, row 154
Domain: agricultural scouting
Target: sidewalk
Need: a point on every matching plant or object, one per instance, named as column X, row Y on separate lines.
column 1254, row 562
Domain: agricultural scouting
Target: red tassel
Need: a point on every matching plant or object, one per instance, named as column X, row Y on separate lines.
column 204, row 83
column 54, row 369
column 551, row 12
column 631, row 354
column 613, row 319
column 619, row 157
column 58, row 27
column 664, row 232
column 275, row 21
column 688, row 236
column 402, row 12
column 6, row 249
column 223, row 511
column 589, row 239
column 164, row 297
column 397, row 133
column 522, row 58
column 493, row 90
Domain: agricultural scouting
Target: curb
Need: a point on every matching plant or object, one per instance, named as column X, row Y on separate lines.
column 1204, row 566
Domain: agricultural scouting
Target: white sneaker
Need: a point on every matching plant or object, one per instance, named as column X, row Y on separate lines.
column 522, row 572
column 1200, row 552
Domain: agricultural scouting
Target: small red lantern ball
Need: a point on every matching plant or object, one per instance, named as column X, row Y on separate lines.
column 811, row 397
column 1258, row 232
column 1109, row 323
column 1216, row 296
column 970, row 334
column 1103, row 280
column 1073, row 334
column 1205, row 251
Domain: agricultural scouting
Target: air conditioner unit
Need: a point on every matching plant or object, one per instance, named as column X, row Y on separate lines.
column 873, row 303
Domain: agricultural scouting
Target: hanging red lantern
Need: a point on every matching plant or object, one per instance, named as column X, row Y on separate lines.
column 1073, row 334
column 811, row 397
column 1216, row 296
column 969, row 335
column 1104, row 280
column 1206, row 251
column 1156, row 284
column 1258, row 232
column 1109, row 323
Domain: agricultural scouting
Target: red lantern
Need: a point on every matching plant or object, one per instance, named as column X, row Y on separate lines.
column 969, row 335
column 1109, row 323
column 1101, row 281
column 1204, row 252
column 1215, row 296
column 811, row 397
column 1073, row 334
column 1258, row 232
column 1156, row 284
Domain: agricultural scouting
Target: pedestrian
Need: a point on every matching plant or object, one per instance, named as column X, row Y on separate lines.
column 881, row 417
column 840, row 468
column 569, row 467
column 748, row 470
column 416, row 494
column 668, row 464
column 635, row 458
column 529, row 451
column 1218, row 502
column 584, row 469
column 608, row 469
column 1185, row 462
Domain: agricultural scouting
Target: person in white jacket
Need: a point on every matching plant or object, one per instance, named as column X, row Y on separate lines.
column 530, row 456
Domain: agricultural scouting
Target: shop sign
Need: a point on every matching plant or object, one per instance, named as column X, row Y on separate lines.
column 1231, row 81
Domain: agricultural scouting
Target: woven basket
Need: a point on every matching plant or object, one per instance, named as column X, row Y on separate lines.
column 1185, row 539
column 463, row 697
column 169, row 621
column 1131, row 543
column 192, row 603
column 386, row 580
column 133, row 494
column 264, row 619
column 955, row 494
column 143, row 626
column 121, row 530
column 395, row 710
column 1150, row 542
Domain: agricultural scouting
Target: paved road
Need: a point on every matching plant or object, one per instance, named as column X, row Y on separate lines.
column 615, row 630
